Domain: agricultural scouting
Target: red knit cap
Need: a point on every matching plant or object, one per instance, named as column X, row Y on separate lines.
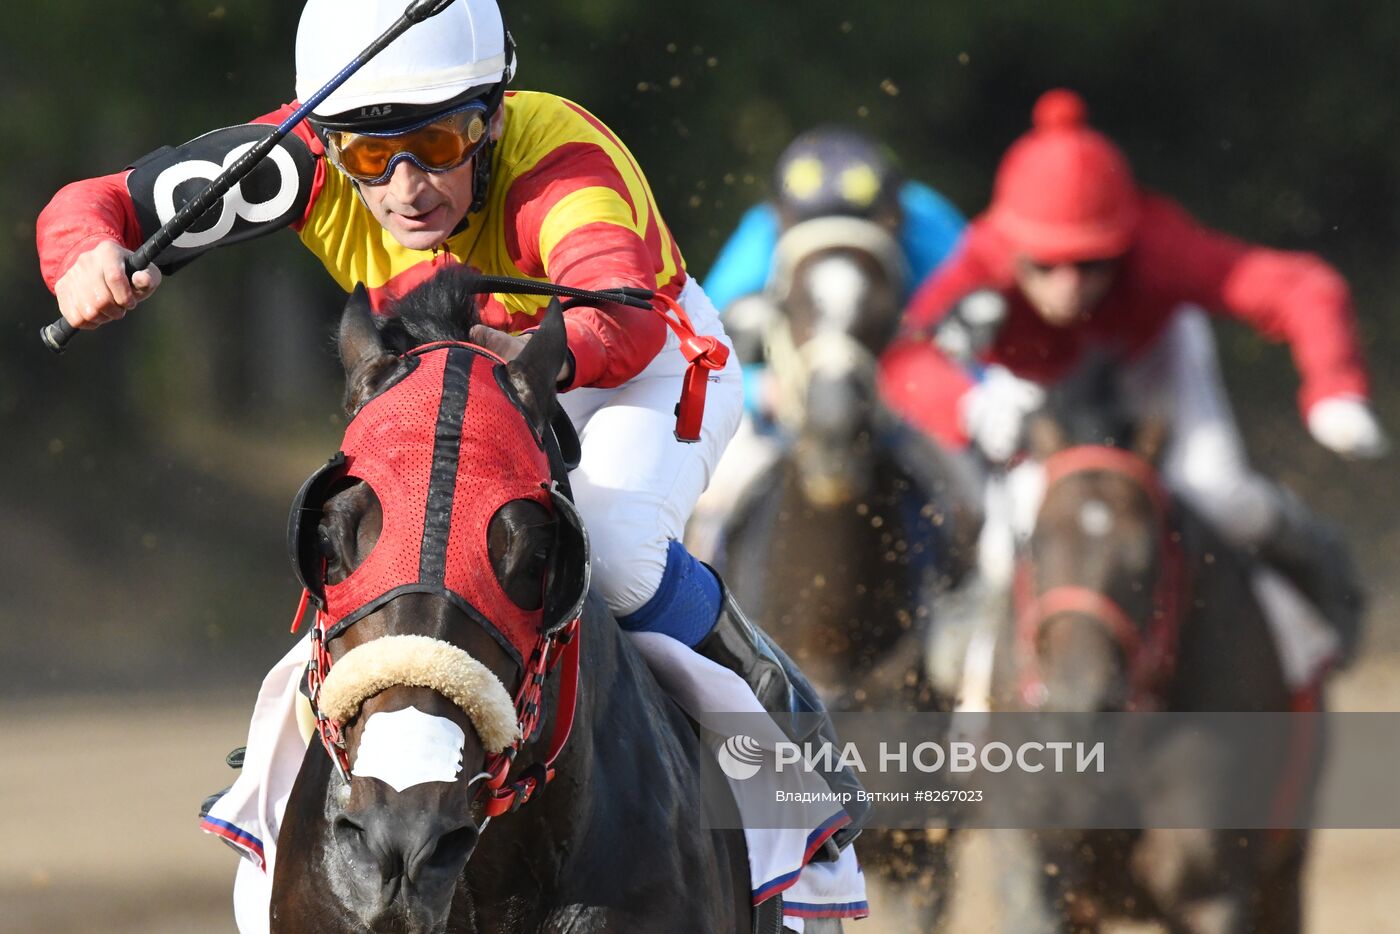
column 1064, row 192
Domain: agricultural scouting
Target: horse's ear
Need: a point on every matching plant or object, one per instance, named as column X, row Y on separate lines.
column 535, row 372
column 1045, row 436
column 359, row 339
column 1150, row 438
column 362, row 351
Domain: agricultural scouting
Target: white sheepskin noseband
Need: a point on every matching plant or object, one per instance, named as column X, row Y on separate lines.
column 423, row 662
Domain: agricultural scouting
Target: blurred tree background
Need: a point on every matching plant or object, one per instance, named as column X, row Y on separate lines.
column 147, row 472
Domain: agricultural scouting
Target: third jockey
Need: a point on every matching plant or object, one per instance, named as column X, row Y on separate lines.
column 1072, row 257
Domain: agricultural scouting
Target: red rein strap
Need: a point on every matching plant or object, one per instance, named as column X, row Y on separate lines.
column 320, row 665
column 549, row 653
column 704, row 353
column 1086, row 457
column 1150, row 660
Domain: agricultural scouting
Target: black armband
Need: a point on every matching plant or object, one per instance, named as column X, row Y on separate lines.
column 272, row 196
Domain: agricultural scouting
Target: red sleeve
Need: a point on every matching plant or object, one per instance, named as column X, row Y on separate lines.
column 966, row 271
column 613, row 343
column 1289, row 296
column 926, row 389
column 916, row 378
column 79, row 217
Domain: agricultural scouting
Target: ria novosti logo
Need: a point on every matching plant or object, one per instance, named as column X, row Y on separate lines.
column 740, row 757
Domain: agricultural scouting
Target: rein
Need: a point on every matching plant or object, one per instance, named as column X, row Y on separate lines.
column 1151, row 655
column 704, row 353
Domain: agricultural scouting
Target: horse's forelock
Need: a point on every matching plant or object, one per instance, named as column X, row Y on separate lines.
column 442, row 308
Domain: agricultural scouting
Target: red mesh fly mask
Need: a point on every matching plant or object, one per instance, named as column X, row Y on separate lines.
column 444, row 449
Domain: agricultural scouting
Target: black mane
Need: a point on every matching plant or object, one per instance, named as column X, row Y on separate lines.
column 442, row 308
column 1089, row 406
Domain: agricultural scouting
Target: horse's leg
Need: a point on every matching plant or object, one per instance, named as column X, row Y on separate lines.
column 1027, row 894
column 1203, row 881
column 1279, row 900
column 911, row 868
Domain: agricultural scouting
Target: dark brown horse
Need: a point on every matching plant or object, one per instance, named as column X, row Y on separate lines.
column 614, row 842
column 841, row 548
column 1127, row 601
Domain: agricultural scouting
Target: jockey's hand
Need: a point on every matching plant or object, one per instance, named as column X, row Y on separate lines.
column 508, row 347
column 994, row 412
column 95, row 288
column 1346, row 425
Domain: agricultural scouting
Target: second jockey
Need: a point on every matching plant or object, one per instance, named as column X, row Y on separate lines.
column 421, row 160
column 1072, row 257
column 825, row 172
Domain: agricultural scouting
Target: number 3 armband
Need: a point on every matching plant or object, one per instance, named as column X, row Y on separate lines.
column 272, row 196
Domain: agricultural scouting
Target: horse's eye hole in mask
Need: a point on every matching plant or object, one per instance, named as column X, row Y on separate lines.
column 520, row 541
column 351, row 521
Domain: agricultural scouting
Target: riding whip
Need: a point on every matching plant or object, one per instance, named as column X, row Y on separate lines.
column 56, row 336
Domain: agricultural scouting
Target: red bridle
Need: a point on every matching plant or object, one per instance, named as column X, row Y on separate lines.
column 1150, row 650
column 550, row 651
column 422, row 444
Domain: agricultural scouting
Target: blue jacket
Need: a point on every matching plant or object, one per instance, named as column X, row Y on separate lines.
column 931, row 228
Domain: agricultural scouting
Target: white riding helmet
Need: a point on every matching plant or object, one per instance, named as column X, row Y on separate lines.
column 459, row 54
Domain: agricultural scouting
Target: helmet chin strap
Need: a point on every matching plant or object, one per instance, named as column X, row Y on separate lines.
column 481, row 180
column 481, row 168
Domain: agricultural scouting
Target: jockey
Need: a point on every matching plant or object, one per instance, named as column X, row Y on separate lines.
column 1073, row 257
column 422, row 160
column 825, row 172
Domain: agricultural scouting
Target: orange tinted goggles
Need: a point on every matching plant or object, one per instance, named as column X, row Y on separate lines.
column 440, row 144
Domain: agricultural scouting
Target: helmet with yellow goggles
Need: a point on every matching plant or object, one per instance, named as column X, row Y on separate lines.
column 437, row 144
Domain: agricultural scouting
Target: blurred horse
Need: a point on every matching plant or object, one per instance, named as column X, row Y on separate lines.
column 1125, row 601
column 615, row 844
column 842, row 544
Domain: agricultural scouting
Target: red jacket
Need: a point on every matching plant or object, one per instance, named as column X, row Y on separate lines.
column 1174, row 261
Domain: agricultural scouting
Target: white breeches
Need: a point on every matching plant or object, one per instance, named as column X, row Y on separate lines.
column 636, row 484
column 1179, row 379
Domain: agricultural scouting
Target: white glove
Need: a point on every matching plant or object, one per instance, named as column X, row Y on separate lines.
column 994, row 412
column 1347, row 425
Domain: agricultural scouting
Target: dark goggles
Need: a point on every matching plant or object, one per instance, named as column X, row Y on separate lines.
column 438, row 144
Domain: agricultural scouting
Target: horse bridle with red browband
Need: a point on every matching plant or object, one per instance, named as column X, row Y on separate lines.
column 555, row 647
column 1150, row 655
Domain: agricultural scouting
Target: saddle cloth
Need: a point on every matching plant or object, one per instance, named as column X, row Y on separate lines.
column 250, row 813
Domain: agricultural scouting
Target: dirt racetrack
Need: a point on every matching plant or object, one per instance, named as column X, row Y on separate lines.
column 99, row 835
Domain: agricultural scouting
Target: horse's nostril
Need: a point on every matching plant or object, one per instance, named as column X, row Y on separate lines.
column 448, row 854
column 348, row 832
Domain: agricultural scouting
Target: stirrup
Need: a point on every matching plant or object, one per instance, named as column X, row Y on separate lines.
column 777, row 682
column 233, row 760
column 1313, row 555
